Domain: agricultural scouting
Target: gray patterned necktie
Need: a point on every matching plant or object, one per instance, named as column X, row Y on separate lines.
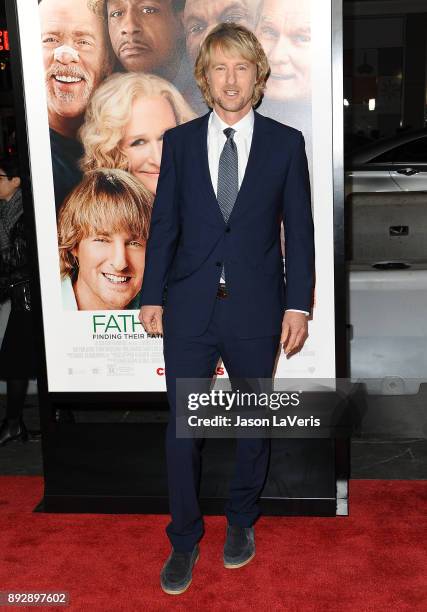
column 228, row 175
column 228, row 179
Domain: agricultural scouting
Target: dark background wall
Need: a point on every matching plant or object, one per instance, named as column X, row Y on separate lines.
column 385, row 62
column 7, row 121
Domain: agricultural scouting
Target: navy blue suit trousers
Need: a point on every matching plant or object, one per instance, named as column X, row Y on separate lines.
column 197, row 357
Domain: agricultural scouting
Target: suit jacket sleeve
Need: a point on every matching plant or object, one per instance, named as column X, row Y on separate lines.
column 164, row 231
column 299, row 233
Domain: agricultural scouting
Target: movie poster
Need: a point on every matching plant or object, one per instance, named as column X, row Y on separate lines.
column 103, row 80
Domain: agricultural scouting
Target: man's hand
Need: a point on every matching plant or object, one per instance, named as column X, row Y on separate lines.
column 151, row 319
column 294, row 332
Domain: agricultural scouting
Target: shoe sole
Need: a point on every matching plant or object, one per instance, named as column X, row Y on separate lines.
column 237, row 565
column 186, row 586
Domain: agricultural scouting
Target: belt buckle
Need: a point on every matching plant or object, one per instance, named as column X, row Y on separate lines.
column 222, row 291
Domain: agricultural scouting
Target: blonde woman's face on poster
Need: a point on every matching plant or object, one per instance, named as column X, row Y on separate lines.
column 201, row 16
column 143, row 138
column 284, row 31
column 111, row 268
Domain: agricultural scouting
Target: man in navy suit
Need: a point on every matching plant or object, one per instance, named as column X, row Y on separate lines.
column 214, row 284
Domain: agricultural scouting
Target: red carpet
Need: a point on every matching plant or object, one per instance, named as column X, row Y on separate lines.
column 372, row 561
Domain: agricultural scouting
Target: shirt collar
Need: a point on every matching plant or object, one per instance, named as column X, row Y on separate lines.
column 242, row 127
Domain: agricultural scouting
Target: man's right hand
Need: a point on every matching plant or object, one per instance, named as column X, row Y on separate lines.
column 151, row 319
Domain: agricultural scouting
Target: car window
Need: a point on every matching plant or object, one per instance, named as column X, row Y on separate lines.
column 384, row 157
column 410, row 152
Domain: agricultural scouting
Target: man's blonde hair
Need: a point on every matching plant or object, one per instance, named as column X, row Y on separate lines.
column 105, row 202
column 110, row 110
column 232, row 38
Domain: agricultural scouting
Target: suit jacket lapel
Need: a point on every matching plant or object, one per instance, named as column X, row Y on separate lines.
column 201, row 161
column 257, row 156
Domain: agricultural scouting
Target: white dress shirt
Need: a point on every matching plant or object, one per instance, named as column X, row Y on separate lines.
column 243, row 138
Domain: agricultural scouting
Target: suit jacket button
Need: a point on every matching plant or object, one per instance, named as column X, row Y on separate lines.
column 218, row 264
column 228, row 230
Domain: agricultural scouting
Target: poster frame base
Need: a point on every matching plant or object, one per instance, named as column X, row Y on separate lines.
column 281, row 506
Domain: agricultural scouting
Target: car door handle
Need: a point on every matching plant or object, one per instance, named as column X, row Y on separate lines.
column 391, row 265
column 407, row 171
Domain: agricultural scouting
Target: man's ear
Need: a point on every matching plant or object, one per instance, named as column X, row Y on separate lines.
column 16, row 182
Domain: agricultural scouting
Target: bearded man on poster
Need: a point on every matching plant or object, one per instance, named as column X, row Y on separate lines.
column 146, row 36
column 76, row 60
column 213, row 281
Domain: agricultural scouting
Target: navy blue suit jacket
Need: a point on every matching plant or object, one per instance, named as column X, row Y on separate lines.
column 189, row 240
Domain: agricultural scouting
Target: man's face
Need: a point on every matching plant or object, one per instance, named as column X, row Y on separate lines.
column 8, row 186
column 143, row 138
column 201, row 16
column 285, row 33
column 111, row 267
column 231, row 80
column 75, row 56
column 143, row 33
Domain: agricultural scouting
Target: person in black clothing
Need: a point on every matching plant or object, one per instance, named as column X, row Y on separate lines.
column 17, row 354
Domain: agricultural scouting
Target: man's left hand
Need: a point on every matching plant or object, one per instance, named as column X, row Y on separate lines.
column 294, row 332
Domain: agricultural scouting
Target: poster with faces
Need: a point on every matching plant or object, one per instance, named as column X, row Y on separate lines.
column 104, row 80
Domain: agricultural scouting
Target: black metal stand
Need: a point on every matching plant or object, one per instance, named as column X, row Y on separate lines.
column 120, row 468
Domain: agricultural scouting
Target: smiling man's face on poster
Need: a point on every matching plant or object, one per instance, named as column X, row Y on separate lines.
column 75, row 55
